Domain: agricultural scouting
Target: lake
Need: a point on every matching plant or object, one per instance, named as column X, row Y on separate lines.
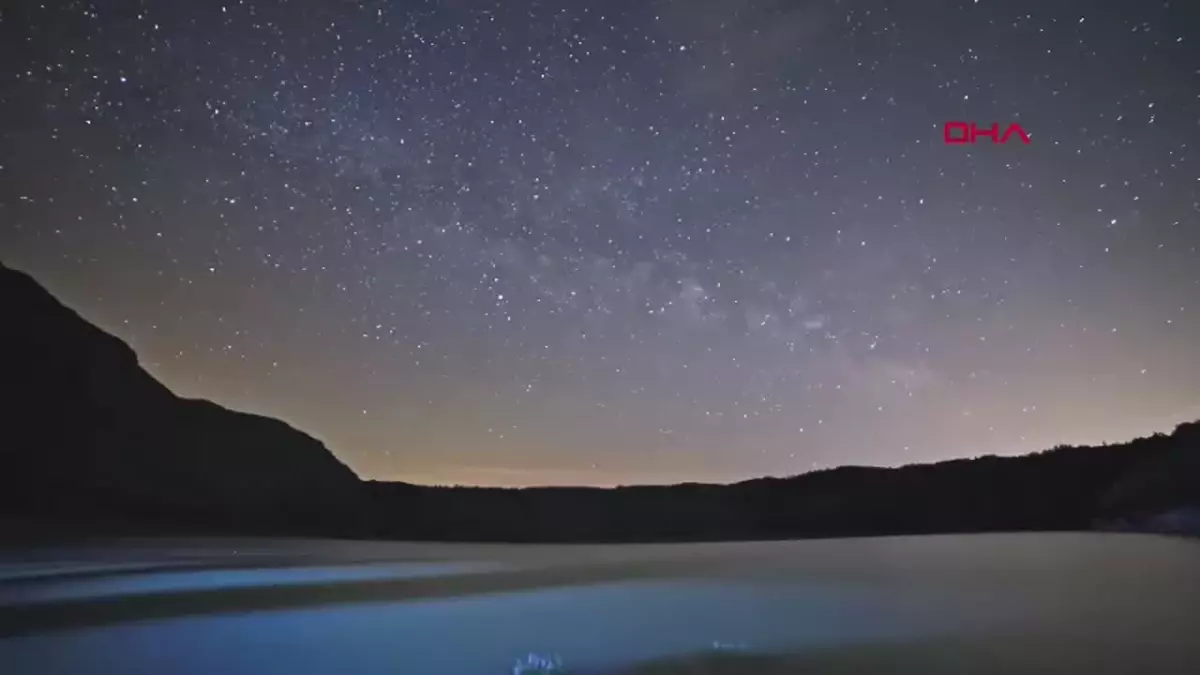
column 1005, row 603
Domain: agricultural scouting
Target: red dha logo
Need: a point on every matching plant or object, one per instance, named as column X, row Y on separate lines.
column 957, row 133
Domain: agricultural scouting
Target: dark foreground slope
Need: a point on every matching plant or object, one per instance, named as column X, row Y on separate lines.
column 87, row 435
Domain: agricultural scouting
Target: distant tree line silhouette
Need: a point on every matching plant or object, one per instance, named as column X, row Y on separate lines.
column 1067, row 488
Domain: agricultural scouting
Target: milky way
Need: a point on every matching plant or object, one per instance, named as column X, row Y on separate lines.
column 622, row 242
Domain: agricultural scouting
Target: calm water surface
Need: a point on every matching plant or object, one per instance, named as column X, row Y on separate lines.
column 984, row 603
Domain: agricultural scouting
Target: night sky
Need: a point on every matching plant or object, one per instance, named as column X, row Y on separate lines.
column 517, row 243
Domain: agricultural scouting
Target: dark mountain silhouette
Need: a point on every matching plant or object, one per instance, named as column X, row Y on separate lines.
column 86, row 433
column 89, row 437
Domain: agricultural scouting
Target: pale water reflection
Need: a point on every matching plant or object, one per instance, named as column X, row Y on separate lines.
column 1050, row 603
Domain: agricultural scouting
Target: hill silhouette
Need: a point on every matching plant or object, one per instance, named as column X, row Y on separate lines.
column 1147, row 484
column 91, row 438
column 88, row 434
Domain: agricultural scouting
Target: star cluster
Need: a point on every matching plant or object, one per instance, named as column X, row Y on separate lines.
column 625, row 241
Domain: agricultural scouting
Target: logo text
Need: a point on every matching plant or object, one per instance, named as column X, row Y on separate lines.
column 957, row 133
